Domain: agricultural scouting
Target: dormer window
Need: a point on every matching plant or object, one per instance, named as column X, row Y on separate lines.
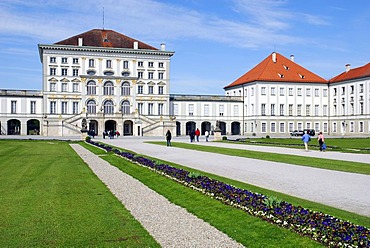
column 286, row 67
column 281, row 75
column 108, row 73
column 301, row 76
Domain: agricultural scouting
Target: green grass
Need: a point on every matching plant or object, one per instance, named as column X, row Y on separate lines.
column 350, row 145
column 50, row 198
column 328, row 164
column 248, row 230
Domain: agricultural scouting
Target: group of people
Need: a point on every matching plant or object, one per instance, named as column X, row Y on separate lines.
column 194, row 135
column 320, row 138
column 111, row 134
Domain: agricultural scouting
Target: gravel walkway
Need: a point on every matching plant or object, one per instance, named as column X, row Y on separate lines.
column 169, row 224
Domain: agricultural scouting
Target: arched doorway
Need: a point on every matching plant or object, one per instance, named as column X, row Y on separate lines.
column 222, row 126
column 33, row 127
column 128, row 128
column 190, row 126
column 178, row 128
column 235, row 128
column 14, row 127
column 206, row 126
column 110, row 125
column 93, row 126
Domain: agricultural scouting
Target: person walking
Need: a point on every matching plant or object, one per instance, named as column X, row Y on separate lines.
column 168, row 137
column 192, row 134
column 197, row 134
column 206, row 133
column 306, row 138
column 321, row 140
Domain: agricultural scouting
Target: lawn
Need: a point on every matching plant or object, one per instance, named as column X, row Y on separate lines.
column 328, row 164
column 50, row 198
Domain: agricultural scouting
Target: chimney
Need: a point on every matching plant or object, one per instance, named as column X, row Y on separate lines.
column 80, row 41
column 163, row 47
column 348, row 67
column 292, row 57
column 273, row 57
column 136, row 45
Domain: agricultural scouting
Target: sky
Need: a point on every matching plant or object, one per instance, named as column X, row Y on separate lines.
column 215, row 41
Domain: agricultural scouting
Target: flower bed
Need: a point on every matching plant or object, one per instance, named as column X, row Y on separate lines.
column 324, row 228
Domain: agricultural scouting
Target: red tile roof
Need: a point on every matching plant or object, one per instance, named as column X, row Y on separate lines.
column 282, row 70
column 359, row 72
column 105, row 38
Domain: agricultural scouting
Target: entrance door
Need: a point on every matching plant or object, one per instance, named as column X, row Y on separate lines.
column 127, row 128
column 110, row 125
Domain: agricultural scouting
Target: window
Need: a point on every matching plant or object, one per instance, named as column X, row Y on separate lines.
column 361, row 127
column 13, row 107
column 290, row 91
column 160, row 64
column 53, row 71
column 64, row 87
column 108, row 88
column 160, row 75
column 75, row 72
column 53, row 107
column 125, row 64
column 317, row 91
column 140, row 89
column 151, row 75
column 75, row 87
column 64, row 60
column 325, row 127
column 140, row 64
column 191, row 109
column 290, row 109
column 335, row 92
column 334, row 127
column 317, row 126
column 236, row 110
column 125, row 108
column 272, row 109
column 273, row 91
column 175, row 109
column 150, row 64
column 53, row 87
column 273, row 127
column 343, row 90
column 282, row 109
column 343, row 109
column 282, row 91
column 91, row 88
column 125, row 89
column 281, row 127
column 300, row 126
column 33, row 107
column 263, row 127
column 325, row 92
column 299, row 109
column 291, row 126
column 109, row 63
column 140, row 107
column 53, row 59
column 299, row 91
column 140, row 74
column 352, row 107
column 351, row 127
column 108, row 107
column 91, row 63
column 308, row 92
column 75, row 109
column 150, row 108
column 125, row 74
column 160, row 108
column 221, row 110
column 316, row 110
column 308, row 109
column 361, row 89
column 91, row 107
column 160, row 90
column 64, row 71
column 263, row 109
column 206, row 110
column 252, row 109
column 151, row 89
column 361, row 108
column 252, row 91
column 325, row 110
column 75, row 60
column 263, row 91
column 64, row 107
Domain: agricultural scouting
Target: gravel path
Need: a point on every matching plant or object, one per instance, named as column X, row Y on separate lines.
column 169, row 224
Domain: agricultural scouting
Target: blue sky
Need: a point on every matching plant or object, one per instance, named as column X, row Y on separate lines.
column 215, row 41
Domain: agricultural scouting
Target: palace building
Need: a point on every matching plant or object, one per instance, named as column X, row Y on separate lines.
column 103, row 80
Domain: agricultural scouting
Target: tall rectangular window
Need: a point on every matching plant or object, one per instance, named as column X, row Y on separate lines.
column 291, row 126
column 325, row 110
column 13, row 107
column 282, row 110
column 160, row 90
column 206, row 109
column 53, row 87
column 75, row 72
column 75, row 60
column 273, row 89
column 263, row 109
column 273, row 127
column 325, row 92
column 75, row 109
column 221, row 110
column 317, row 91
column 316, row 110
column 150, row 108
column 236, row 110
column 125, row 64
column 160, row 75
column 140, row 89
column 64, row 108
column 160, row 64
column 33, row 107
column 282, row 127
column 75, row 87
column 263, row 91
column 290, row 91
column 160, row 108
column 109, row 63
column 151, row 89
column 53, row 107
column 53, row 71
column 290, row 109
column 140, row 108
column 272, row 109
column 317, row 126
column 53, row 59
column 325, row 127
column 308, row 92
column 282, row 91
column 299, row 109
column 334, row 127
column 64, row 71
column 361, row 127
column 308, row 109
column 64, row 87
column 91, row 63
column 263, row 127
column 140, row 74
column 151, row 75
column 299, row 91
column 64, row 60
column 191, row 109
